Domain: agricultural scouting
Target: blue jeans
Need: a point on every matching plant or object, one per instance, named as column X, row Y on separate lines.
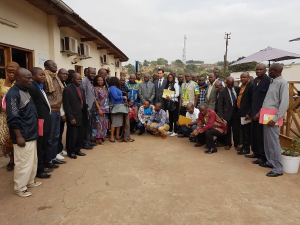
column 51, row 150
column 188, row 130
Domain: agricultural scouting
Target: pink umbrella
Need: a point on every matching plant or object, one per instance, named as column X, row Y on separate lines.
column 268, row 54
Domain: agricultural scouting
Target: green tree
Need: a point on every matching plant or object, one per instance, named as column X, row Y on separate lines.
column 146, row 63
column 195, row 61
column 191, row 69
column 130, row 68
column 162, row 61
column 153, row 63
column 242, row 67
column 178, row 63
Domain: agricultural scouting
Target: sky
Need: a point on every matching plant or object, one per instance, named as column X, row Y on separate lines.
column 155, row 29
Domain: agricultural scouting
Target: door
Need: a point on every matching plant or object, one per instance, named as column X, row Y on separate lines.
column 78, row 69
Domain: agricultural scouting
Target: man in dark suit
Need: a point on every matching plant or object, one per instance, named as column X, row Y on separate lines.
column 227, row 110
column 160, row 84
column 218, row 87
column 244, row 103
column 260, row 88
column 146, row 90
column 43, row 110
column 74, row 106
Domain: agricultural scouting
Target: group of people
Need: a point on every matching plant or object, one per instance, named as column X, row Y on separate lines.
column 37, row 104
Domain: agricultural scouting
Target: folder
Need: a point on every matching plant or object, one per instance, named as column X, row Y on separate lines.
column 41, row 127
column 268, row 114
column 168, row 93
column 184, row 120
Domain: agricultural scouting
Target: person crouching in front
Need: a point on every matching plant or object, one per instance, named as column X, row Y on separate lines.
column 74, row 105
column 158, row 122
column 209, row 125
column 132, row 116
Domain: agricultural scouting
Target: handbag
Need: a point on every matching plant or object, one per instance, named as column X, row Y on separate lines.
column 170, row 105
column 119, row 108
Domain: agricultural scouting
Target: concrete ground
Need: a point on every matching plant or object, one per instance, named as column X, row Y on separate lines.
column 155, row 181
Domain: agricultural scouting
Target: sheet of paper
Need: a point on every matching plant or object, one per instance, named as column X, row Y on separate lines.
column 243, row 121
column 184, row 120
column 168, row 93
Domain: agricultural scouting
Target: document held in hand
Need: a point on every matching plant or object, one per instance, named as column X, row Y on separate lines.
column 268, row 114
column 168, row 93
column 184, row 120
column 41, row 127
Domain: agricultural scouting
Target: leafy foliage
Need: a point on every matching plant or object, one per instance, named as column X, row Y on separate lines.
column 191, row 69
column 146, row 63
column 162, row 61
column 242, row 67
column 292, row 152
column 178, row 63
column 130, row 68
column 195, row 61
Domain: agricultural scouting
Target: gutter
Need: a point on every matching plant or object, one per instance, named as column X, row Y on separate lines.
column 63, row 6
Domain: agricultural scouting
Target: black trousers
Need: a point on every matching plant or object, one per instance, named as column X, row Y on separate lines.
column 132, row 124
column 75, row 136
column 233, row 127
column 246, row 131
column 173, row 118
column 258, row 140
column 88, row 124
column 60, row 145
column 207, row 137
column 41, row 150
column 182, row 111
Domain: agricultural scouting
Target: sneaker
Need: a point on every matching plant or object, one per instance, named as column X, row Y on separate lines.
column 35, row 184
column 64, row 153
column 59, row 157
column 24, row 193
column 173, row 134
column 169, row 132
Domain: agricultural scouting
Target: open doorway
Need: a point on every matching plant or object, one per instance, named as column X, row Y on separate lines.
column 20, row 57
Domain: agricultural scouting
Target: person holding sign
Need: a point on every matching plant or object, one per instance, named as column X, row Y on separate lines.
column 192, row 114
column 277, row 98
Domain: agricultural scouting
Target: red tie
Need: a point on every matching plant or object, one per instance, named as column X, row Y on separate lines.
column 79, row 93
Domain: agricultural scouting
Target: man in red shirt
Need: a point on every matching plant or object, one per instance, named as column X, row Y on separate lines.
column 209, row 125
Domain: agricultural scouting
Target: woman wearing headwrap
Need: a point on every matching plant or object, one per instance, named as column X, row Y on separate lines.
column 6, row 144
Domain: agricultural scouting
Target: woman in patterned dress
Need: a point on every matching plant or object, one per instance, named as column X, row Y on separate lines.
column 6, row 144
column 100, row 122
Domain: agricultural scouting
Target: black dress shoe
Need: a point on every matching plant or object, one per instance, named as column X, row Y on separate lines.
column 243, row 151
column 211, row 150
column 206, row 147
column 259, row 161
column 80, row 153
column 88, row 147
column 198, row 145
column 272, row 174
column 51, row 166
column 265, row 165
column 56, row 161
column 72, row 156
column 43, row 175
column 48, row 170
column 252, row 156
column 93, row 144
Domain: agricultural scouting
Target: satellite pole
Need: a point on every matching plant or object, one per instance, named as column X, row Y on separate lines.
column 184, row 51
column 227, row 36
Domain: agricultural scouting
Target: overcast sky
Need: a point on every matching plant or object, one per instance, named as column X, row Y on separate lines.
column 152, row 29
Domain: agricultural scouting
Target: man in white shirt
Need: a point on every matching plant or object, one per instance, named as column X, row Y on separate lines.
column 191, row 113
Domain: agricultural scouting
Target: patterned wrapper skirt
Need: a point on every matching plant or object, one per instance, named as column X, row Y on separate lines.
column 6, row 144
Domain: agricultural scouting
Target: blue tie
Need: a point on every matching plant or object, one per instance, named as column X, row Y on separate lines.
column 233, row 98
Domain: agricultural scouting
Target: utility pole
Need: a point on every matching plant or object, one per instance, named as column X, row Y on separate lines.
column 227, row 36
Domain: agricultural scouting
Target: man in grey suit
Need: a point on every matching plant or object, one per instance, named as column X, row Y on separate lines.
column 211, row 92
column 160, row 85
column 146, row 90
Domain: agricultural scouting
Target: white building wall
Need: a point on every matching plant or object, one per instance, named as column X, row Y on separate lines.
column 39, row 32
column 32, row 32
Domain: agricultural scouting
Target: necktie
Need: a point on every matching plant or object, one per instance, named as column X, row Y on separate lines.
column 159, row 84
column 147, row 85
column 233, row 98
column 79, row 93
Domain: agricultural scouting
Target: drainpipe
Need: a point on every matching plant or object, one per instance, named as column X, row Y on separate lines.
column 63, row 6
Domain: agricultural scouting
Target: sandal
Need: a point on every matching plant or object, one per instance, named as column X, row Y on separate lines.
column 10, row 166
column 99, row 142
